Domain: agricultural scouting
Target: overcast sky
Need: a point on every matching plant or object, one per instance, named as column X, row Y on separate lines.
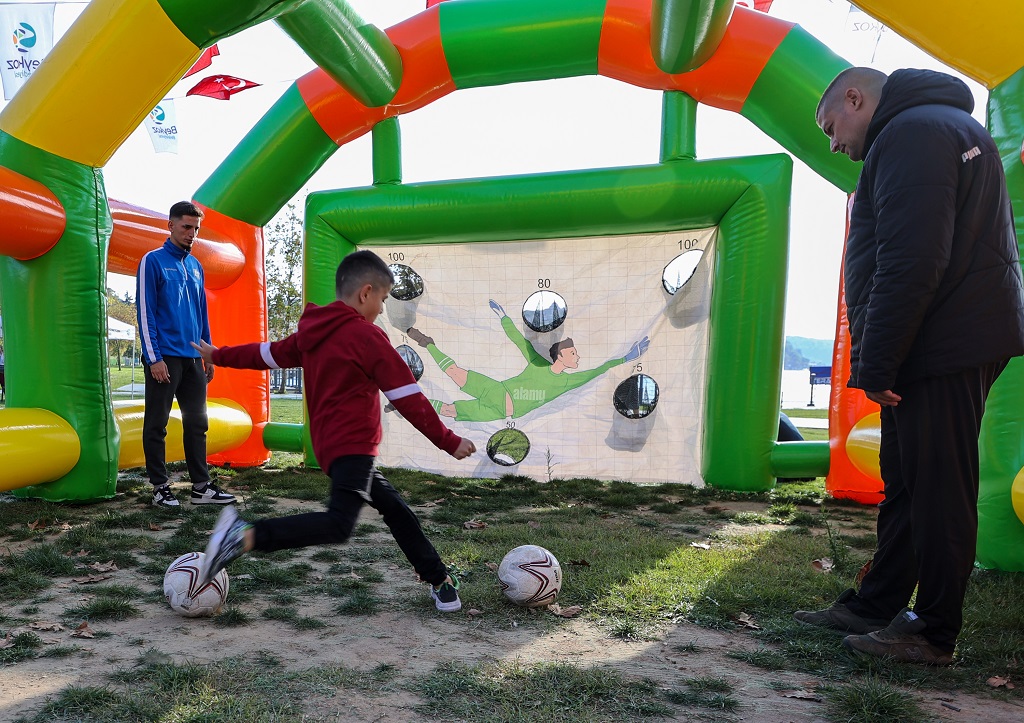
column 589, row 122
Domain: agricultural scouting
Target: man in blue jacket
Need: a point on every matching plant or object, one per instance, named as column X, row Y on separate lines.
column 936, row 309
column 171, row 302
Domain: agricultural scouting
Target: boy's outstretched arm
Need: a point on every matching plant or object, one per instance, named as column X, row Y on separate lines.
column 205, row 350
column 282, row 354
column 466, row 448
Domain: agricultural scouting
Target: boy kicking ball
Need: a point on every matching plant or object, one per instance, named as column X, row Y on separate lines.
column 347, row 361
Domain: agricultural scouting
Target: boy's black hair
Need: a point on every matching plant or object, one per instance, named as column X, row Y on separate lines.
column 184, row 208
column 361, row 268
column 556, row 348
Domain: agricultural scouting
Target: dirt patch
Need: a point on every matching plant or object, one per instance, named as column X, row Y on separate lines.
column 413, row 638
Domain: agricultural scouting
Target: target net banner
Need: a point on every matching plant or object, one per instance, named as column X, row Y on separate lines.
column 568, row 357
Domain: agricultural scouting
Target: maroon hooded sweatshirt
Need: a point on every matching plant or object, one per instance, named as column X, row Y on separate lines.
column 347, row 361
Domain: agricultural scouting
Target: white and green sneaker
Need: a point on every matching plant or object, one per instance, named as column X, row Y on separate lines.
column 226, row 543
column 446, row 595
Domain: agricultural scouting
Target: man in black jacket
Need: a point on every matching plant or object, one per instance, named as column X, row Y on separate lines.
column 936, row 309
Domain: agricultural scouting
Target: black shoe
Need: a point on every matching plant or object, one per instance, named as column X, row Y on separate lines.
column 902, row 640
column 227, row 542
column 446, row 595
column 211, row 494
column 840, row 618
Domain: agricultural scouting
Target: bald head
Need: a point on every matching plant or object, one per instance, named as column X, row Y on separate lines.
column 866, row 80
column 846, row 108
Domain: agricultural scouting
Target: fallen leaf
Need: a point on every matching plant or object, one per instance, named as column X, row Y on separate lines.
column 701, row 545
column 823, row 565
column 473, row 612
column 474, row 525
column 803, row 695
column 83, row 631
column 37, row 524
column 107, row 566
column 579, row 563
column 7, row 642
column 46, row 625
column 153, row 527
column 90, row 579
column 492, row 566
column 569, row 612
column 746, row 621
column 861, row 573
column 997, row 681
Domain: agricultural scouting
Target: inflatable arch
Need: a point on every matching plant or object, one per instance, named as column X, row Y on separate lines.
column 65, row 234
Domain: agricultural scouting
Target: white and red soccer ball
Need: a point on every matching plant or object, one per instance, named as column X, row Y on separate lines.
column 184, row 593
column 530, row 576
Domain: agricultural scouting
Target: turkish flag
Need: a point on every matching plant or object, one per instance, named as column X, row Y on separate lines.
column 221, row 87
column 205, row 60
column 432, row 3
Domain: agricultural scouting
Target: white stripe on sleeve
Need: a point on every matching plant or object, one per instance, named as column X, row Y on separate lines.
column 143, row 302
column 267, row 357
column 407, row 391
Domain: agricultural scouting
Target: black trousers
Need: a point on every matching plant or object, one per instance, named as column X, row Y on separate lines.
column 928, row 521
column 355, row 481
column 188, row 385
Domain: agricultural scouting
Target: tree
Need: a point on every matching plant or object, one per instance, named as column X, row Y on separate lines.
column 123, row 310
column 284, row 274
column 794, row 358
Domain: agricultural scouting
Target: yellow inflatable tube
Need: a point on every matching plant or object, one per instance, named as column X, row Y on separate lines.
column 863, row 443
column 1017, row 495
column 36, row 446
column 230, row 425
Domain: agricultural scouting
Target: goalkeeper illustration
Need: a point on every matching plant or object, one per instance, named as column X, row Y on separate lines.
column 539, row 383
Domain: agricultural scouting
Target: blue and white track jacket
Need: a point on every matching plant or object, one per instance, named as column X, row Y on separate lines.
column 171, row 300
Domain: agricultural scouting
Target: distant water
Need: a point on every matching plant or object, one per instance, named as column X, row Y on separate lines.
column 796, row 391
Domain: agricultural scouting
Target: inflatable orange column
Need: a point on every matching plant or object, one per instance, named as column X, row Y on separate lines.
column 847, row 408
column 238, row 315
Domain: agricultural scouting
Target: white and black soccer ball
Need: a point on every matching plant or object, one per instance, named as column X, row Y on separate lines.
column 530, row 576
column 183, row 592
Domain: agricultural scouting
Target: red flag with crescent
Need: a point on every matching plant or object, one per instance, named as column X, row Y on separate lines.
column 221, row 87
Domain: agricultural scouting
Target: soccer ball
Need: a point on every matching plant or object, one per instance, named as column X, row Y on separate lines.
column 181, row 587
column 530, row 576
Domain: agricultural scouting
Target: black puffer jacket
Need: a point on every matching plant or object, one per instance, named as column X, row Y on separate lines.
column 933, row 278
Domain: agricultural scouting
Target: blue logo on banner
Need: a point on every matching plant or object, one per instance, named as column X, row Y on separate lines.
column 24, row 37
column 158, row 115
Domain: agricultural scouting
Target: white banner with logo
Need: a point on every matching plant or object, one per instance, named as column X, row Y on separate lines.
column 26, row 36
column 162, row 125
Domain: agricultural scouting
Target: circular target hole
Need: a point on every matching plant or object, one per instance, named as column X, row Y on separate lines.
column 412, row 359
column 544, row 311
column 408, row 283
column 508, row 447
column 636, row 397
column 680, row 270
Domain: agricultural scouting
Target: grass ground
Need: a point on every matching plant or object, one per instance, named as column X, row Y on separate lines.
column 667, row 568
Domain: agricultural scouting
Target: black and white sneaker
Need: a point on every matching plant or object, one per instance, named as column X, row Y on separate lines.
column 163, row 497
column 446, row 595
column 226, row 543
column 211, row 495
